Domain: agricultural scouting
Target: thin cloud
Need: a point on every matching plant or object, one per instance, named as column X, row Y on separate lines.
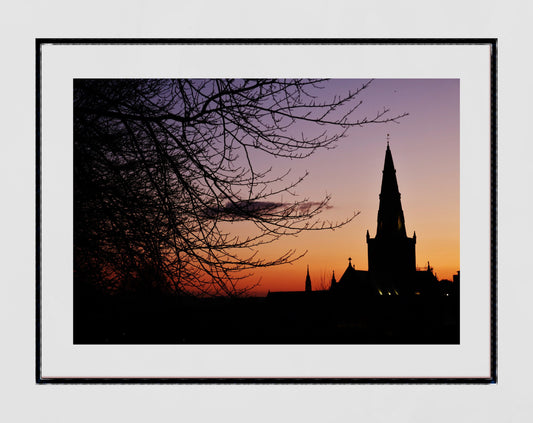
column 243, row 209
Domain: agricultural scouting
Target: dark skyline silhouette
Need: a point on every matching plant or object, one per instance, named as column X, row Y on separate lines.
column 391, row 303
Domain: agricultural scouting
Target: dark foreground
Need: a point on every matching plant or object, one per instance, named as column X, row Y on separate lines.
column 317, row 318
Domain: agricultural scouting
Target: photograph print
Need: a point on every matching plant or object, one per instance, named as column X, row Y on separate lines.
column 266, row 211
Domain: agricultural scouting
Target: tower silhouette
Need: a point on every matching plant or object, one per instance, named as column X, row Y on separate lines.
column 391, row 254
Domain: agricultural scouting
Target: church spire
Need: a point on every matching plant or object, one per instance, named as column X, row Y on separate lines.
column 333, row 281
column 391, row 222
column 308, row 281
column 391, row 251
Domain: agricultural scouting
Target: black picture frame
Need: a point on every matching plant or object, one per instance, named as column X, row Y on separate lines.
column 40, row 379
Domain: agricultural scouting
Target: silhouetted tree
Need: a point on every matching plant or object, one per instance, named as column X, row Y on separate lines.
column 162, row 168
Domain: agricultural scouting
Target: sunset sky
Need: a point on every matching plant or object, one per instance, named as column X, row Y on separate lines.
column 425, row 149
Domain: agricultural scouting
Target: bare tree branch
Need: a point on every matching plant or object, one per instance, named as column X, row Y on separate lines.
column 163, row 168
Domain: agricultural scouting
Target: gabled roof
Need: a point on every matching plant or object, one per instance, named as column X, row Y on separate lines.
column 349, row 275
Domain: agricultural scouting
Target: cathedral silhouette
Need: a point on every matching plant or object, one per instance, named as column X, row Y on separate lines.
column 391, row 253
column 392, row 267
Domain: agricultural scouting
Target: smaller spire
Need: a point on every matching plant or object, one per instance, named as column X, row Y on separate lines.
column 308, row 281
column 350, row 261
column 333, row 281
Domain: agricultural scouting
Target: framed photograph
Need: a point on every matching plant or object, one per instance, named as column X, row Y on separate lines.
column 251, row 211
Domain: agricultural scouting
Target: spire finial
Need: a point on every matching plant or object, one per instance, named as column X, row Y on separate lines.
column 388, row 140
